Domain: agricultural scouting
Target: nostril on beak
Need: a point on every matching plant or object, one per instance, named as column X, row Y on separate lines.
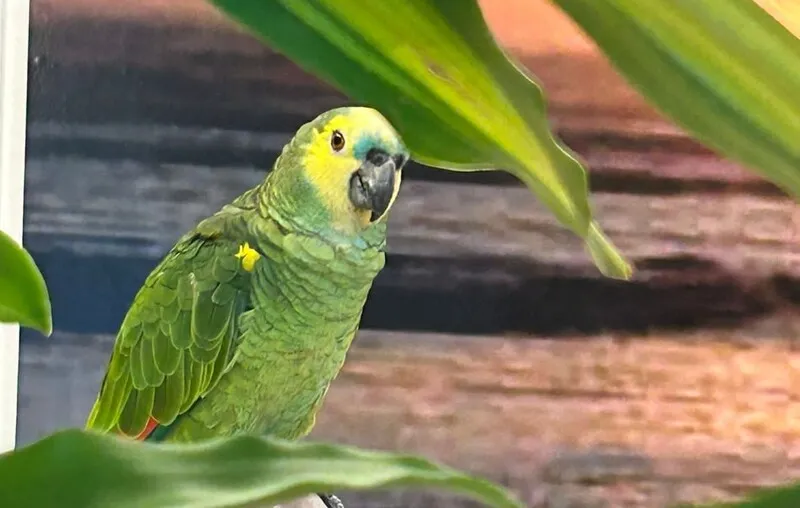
column 377, row 157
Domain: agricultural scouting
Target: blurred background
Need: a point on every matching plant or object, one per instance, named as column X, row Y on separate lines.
column 489, row 341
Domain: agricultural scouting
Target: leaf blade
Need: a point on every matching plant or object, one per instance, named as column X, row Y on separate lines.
column 223, row 473
column 727, row 72
column 24, row 297
column 451, row 92
column 775, row 497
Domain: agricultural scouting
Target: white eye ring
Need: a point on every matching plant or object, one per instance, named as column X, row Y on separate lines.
column 337, row 141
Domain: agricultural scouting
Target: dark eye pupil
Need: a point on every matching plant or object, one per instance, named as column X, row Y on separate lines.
column 337, row 141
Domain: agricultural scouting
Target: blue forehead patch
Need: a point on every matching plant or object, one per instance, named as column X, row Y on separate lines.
column 367, row 141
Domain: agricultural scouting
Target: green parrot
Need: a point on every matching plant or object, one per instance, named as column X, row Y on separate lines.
column 246, row 321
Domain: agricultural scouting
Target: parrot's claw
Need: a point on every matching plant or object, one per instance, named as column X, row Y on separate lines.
column 331, row 501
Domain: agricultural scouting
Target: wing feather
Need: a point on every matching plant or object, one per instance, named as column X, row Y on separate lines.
column 176, row 340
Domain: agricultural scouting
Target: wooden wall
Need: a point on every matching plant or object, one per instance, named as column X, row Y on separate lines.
column 490, row 342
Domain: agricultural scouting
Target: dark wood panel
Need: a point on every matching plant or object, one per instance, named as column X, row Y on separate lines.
column 620, row 162
column 195, row 70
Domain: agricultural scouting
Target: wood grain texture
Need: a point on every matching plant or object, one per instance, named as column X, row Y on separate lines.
column 704, row 259
column 490, row 341
column 741, row 231
column 583, row 420
column 161, row 62
column 191, row 41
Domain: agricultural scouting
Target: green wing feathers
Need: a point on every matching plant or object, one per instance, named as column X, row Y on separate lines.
column 177, row 339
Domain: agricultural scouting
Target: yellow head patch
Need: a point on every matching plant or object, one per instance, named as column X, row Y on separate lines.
column 336, row 149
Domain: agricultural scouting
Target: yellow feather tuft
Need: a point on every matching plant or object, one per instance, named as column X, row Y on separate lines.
column 248, row 255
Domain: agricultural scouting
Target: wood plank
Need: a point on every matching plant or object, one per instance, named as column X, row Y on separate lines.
column 490, row 254
column 527, row 28
column 620, row 162
column 161, row 63
column 739, row 231
column 671, row 418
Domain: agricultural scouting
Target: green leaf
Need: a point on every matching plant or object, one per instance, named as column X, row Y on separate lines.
column 434, row 70
column 23, row 293
column 726, row 71
column 91, row 470
column 778, row 497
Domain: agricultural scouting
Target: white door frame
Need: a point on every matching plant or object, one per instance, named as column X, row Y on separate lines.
column 14, row 17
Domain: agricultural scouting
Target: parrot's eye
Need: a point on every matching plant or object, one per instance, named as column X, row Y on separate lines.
column 337, row 141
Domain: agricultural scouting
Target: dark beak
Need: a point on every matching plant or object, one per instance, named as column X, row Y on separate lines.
column 372, row 186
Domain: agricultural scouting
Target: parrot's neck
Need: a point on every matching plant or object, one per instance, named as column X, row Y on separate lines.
column 310, row 219
column 320, row 267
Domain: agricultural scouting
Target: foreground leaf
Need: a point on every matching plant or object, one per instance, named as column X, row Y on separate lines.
column 778, row 497
column 434, row 70
column 23, row 293
column 725, row 71
column 90, row 470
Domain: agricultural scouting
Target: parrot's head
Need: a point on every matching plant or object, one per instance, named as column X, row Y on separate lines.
column 347, row 165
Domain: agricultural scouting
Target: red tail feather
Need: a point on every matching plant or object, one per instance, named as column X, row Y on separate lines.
column 151, row 424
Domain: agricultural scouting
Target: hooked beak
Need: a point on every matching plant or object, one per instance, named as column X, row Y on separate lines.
column 372, row 185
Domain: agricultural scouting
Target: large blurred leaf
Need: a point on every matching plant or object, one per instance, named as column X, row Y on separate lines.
column 777, row 497
column 434, row 70
column 89, row 470
column 23, row 293
column 724, row 70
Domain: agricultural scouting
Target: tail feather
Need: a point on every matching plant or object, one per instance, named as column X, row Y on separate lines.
column 148, row 429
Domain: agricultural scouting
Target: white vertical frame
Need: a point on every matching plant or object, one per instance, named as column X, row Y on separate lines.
column 14, row 17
